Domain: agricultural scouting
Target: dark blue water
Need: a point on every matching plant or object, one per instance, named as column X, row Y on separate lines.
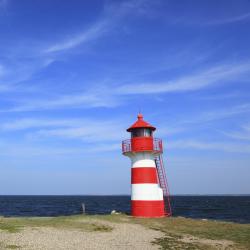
column 227, row 208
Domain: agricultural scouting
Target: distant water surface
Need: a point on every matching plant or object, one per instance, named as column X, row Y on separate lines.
column 226, row 208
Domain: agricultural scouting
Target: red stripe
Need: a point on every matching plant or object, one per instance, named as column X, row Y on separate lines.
column 148, row 209
column 139, row 144
column 143, row 175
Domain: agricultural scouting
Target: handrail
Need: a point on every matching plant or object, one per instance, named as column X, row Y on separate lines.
column 127, row 146
column 168, row 209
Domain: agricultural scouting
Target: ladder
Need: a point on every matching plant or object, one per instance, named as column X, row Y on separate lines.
column 163, row 184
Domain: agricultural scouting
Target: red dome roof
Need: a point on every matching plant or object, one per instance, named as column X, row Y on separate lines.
column 140, row 123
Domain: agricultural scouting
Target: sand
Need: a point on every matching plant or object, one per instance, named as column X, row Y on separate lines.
column 123, row 236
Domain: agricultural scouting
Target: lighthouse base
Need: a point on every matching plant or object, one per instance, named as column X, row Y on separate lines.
column 147, row 209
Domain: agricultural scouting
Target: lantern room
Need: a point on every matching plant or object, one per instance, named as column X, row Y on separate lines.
column 141, row 135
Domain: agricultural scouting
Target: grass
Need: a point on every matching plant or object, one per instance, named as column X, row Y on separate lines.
column 9, row 227
column 173, row 242
column 13, row 225
column 177, row 228
column 12, row 247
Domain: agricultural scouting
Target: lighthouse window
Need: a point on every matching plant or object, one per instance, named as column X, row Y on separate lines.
column 141, row 132
column 147, row 132
column 137, row 132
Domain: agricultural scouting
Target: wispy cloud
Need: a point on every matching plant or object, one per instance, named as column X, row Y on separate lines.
column 215, row 75
column 215, row 146
column 91, row 135
column 104, row 147
column 217, row 19
column 221, row 96
column 239, row 18
column 24, row 149
column 27, row 61
column 31, row 123
column 219, row 114
column 111, row 15
column 243, row 134
column 93, row 32
column 87, row 130
column 85, row 100
column 110, row 95
column 25, row 69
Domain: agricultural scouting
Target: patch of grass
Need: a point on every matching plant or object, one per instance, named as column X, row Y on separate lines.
column 9, row 227
column 13, row 247
column 68, row 222
column 172, row 242
column 101, row 228
column 215, row 230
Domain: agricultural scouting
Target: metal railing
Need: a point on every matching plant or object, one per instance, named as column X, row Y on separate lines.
column 158, row 145
column 127, row 146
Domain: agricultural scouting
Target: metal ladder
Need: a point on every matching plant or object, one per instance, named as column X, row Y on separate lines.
column 163, row 184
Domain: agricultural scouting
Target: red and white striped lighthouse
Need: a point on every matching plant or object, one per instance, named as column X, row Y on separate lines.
column 149, row 192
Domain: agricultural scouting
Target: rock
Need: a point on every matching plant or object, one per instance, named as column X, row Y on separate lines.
column 115, row 212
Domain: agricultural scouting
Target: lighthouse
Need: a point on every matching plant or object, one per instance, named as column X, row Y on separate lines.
column 149, row 188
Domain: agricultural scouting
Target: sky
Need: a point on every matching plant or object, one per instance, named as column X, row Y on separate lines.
column 75, row 74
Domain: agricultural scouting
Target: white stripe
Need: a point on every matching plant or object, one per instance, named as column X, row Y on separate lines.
column 144, row 164
column 146, row 192
column 143, row 160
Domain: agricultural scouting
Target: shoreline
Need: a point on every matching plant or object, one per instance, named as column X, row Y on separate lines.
column 230, row 208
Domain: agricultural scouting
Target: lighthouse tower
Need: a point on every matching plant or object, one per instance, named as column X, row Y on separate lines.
column 149, row 192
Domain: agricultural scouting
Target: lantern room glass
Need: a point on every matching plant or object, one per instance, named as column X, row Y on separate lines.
column 141, row 132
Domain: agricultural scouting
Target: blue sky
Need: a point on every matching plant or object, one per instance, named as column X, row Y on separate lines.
column 74, row 74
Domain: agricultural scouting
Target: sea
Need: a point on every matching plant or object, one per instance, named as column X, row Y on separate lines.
column 224, row 208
